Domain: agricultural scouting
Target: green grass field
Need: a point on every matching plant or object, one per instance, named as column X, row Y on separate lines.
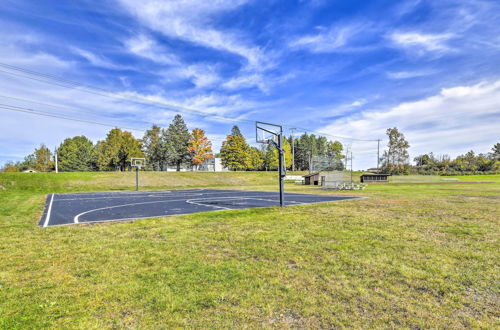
column 410, row 256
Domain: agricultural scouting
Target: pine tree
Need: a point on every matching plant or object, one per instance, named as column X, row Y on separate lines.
column 235, row 153
column 175, row 141
column 495, row 152
column 235, row 131
column 152, row 148
column 199, row 147
column 76, row 154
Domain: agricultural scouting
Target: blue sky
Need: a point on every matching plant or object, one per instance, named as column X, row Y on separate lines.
column 346, row 68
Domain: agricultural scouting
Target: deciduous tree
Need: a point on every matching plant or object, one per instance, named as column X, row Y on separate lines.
column 235, row 153
column 255, row 159
column 116, row 151
column 43, row 159
column 395, row 158
column 199, row 147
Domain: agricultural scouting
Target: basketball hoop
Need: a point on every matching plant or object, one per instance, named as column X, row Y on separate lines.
column 138, row 163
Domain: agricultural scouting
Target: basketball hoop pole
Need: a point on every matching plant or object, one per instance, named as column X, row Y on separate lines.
column 137, row 178
column 278, row 133
column 281, row 164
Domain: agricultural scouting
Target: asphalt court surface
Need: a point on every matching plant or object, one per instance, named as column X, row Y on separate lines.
column 66, row 209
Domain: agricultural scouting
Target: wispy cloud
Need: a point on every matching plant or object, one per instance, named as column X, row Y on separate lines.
column 193, row 21
column 328, row 39
column 98, row 61
column 146, row 47
column 409, row 74
column 422, row 43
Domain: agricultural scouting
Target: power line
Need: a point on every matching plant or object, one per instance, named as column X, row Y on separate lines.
column 62, row 82
column 52, row 115
column 48, row 114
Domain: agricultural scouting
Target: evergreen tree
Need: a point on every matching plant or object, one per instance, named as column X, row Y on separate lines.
column 235, row 131
column 199, row 147
column 153, row 149
column 495, row 152
column 175, row 140
column 76, row 154
column 235, row 153
column 395, row 159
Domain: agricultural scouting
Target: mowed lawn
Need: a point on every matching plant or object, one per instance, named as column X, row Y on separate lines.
column 411, row 255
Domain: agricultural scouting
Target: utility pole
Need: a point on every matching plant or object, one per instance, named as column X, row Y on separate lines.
column 378, row 155
column 346, row 156
column 351, row 168
column 55, row 160
column 293, row 148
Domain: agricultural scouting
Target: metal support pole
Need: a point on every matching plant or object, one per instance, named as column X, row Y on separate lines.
column 55, row 161
column 378, row 155
column 293, row 148
column 137, row 178
column 351, row 169
column 281, row 169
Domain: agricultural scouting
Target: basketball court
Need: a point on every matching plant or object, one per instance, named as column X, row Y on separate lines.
column 68, row 209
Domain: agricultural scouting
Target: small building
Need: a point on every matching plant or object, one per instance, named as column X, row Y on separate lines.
column 366, row 178
column 311, row 179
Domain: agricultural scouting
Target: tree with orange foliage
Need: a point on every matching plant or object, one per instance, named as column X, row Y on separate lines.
column 199, row 147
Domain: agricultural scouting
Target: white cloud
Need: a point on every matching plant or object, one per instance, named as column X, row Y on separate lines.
column 144, row 46
column 327, row 40
column 202, row 75
column 97, row 60
column 421, row 42
column 452, row 122
column 192, row 21
column 409, row 74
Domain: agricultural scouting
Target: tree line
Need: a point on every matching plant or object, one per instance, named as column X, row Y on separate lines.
column 396, row 160
column 173, row 146
column 176, row 146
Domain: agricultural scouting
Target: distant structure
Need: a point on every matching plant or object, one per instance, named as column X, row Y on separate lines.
column 311, row 179
column 370, row 178
column 209, row 165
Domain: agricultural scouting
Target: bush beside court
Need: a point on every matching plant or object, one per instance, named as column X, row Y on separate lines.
column 411, row 255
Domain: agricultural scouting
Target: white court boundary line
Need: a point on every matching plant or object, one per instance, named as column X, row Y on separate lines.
column 47, row 217
column 76, row 219
column 215, row 199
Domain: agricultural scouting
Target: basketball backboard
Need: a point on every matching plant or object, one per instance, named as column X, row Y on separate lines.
column 138, row 162
column 267, row 133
